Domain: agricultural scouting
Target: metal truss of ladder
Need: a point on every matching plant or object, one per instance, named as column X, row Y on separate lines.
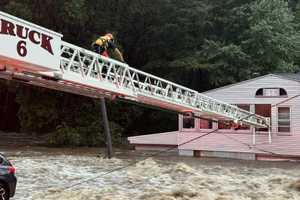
column 41, row 58
column 84, row 67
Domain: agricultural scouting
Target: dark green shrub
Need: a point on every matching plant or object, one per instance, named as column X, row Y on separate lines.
column 92, row 135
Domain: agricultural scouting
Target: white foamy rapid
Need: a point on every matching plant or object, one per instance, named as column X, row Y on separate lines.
column 46, row 177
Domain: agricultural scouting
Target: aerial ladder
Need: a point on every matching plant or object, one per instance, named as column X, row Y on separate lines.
column 37, row 56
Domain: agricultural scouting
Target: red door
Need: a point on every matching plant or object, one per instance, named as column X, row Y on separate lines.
column 263, row 110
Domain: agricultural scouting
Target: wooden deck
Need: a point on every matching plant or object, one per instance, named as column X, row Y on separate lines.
column 281, row 146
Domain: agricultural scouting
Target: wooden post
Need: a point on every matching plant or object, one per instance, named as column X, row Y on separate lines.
column 106, row 128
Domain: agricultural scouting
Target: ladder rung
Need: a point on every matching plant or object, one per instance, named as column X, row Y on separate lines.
column 76, row 60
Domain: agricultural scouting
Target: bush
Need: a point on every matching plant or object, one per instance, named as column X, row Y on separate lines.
column 39, row 111
column 65, row 136
column 92, row 135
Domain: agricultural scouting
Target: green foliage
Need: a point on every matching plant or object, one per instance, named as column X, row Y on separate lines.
column 259, row 37
column 38, row 111
column 71, row 120
column 65, row 136
column 272, row 37
column 91, row 135
column 198, row 43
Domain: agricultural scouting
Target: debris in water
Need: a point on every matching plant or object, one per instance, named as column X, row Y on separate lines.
column 296, row 185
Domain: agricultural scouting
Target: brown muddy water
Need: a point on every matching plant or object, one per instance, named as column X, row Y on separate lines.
column 44, row 174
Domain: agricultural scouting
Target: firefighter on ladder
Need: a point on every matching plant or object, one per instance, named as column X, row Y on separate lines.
column 104, row 44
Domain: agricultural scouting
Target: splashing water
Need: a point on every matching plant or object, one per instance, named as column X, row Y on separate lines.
column 45, row 177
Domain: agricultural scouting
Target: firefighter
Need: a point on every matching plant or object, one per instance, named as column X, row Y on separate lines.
column 106, row 43
column 235, row 125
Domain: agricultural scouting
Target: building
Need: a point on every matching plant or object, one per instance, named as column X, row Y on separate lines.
column 276, row 96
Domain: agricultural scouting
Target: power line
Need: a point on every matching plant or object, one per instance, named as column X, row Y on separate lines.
column 133, row 163
column 167, row 150
column 250, row 146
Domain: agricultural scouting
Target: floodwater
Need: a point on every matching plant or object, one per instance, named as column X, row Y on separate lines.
column 62, row 175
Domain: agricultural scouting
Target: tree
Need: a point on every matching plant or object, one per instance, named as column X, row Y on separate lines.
column 198, row 43
column 259, row 37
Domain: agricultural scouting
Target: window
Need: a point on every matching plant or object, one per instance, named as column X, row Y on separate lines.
column 224, row 124
column 228, row 124
column 206, row 124
column 264, row 110
column 259, row 92
column 271, row 92
column 3, row 161
column 282, row 92
column 247, row 108
column 244, row 106
column 188, row 122
column 284, row 120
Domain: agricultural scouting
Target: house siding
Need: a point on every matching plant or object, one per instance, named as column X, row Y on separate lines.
column 238, row 144
column 244, row 93
column 226, row 144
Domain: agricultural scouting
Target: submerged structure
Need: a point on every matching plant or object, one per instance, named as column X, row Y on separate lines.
column 38, row 56
column 275, row 96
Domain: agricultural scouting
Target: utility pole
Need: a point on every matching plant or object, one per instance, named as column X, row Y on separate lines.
column 106, row 128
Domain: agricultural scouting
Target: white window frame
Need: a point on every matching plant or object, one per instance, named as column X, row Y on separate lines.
column 188, row 129
column 205, row 129
column 271, row 92
column 277, row 121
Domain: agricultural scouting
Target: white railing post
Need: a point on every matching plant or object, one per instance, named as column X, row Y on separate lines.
column 254, row 136
column 269, row 131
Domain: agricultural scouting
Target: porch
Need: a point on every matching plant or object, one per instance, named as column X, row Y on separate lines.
column 282, row 146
